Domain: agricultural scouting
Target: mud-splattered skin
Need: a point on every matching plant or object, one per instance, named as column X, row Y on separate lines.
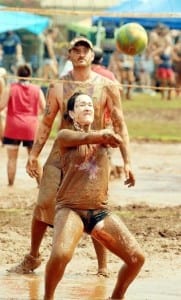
column 104, row 94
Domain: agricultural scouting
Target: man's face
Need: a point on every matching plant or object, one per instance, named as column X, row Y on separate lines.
column 81, row 55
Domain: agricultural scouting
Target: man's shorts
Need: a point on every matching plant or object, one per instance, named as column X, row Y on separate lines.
column 163, row 73
column 50, row 182
column 48, row 61
column 15, row 142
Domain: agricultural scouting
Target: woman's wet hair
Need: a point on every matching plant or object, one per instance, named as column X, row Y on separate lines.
column 24, row 71
column 70, row 105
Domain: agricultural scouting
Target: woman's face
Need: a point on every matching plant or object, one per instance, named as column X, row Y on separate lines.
column 83, row 112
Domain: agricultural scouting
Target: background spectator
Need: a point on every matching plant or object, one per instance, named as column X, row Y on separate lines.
column 50, row 64
column 122, row 66
column 176, row 60
column 24, row 101
column 97, row 64
column 144, row 72
column 2, row 86
column 11, row 51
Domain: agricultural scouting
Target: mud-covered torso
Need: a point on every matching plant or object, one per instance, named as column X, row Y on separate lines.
column 95, row 88
column 84, row 182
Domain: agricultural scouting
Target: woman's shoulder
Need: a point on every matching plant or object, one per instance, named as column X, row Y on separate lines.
column 63, row 133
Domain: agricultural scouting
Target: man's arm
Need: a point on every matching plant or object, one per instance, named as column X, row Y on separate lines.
column 42, row 102
column 120, row 127
column 51, row 109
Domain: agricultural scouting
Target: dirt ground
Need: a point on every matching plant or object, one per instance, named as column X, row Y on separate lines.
column 151, row 210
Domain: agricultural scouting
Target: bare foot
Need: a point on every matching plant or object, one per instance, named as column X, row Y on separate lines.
column 103, row 272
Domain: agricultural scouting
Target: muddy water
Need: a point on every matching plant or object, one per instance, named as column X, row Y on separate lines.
column 76, row 287
column 157, row 168
column 158, row 176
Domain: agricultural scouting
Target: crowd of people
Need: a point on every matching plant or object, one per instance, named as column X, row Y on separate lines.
column 156, row 69
column 87, row 100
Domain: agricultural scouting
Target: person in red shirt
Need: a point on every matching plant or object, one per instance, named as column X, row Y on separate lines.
column 2, row 114
column 24, row 102
column 98, row 67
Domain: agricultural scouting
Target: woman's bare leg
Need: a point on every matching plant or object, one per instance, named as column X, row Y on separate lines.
column 12, row 163
column 68, row 229
column 115, row 236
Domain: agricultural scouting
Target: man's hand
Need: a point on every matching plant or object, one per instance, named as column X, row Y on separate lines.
column 33, row 167
column 130, row 179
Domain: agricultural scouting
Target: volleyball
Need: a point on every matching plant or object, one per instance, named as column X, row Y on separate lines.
column 131, row 38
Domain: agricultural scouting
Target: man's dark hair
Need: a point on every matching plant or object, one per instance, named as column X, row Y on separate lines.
column 24, row 71
column 98, row 55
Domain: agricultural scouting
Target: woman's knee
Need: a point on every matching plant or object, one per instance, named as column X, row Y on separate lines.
column 137, row 260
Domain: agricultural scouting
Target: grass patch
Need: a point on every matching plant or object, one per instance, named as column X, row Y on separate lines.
column 154, row 119
column 142, row 101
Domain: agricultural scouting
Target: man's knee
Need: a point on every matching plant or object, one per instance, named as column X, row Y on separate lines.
column 62, row 256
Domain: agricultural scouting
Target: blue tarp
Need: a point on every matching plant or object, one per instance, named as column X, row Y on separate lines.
column 138, row 7
column 21, row 20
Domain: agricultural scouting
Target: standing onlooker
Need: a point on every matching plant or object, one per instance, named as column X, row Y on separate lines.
column 176, row 60
column 98, row 67
column 2, row 86
column 24, row 101
column 12, row 52
column 144, row 72
column 159, row 38
column 115, row 65
column 50, row 64
column 164, row 72
column 122, row 66
column 159, row 48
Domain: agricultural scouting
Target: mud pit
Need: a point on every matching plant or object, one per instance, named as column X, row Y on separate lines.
column 151, row 210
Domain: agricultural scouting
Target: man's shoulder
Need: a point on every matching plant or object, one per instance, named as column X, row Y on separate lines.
column 55, row 88
column 98, row 77
column 65, row 77
column 102, row 70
